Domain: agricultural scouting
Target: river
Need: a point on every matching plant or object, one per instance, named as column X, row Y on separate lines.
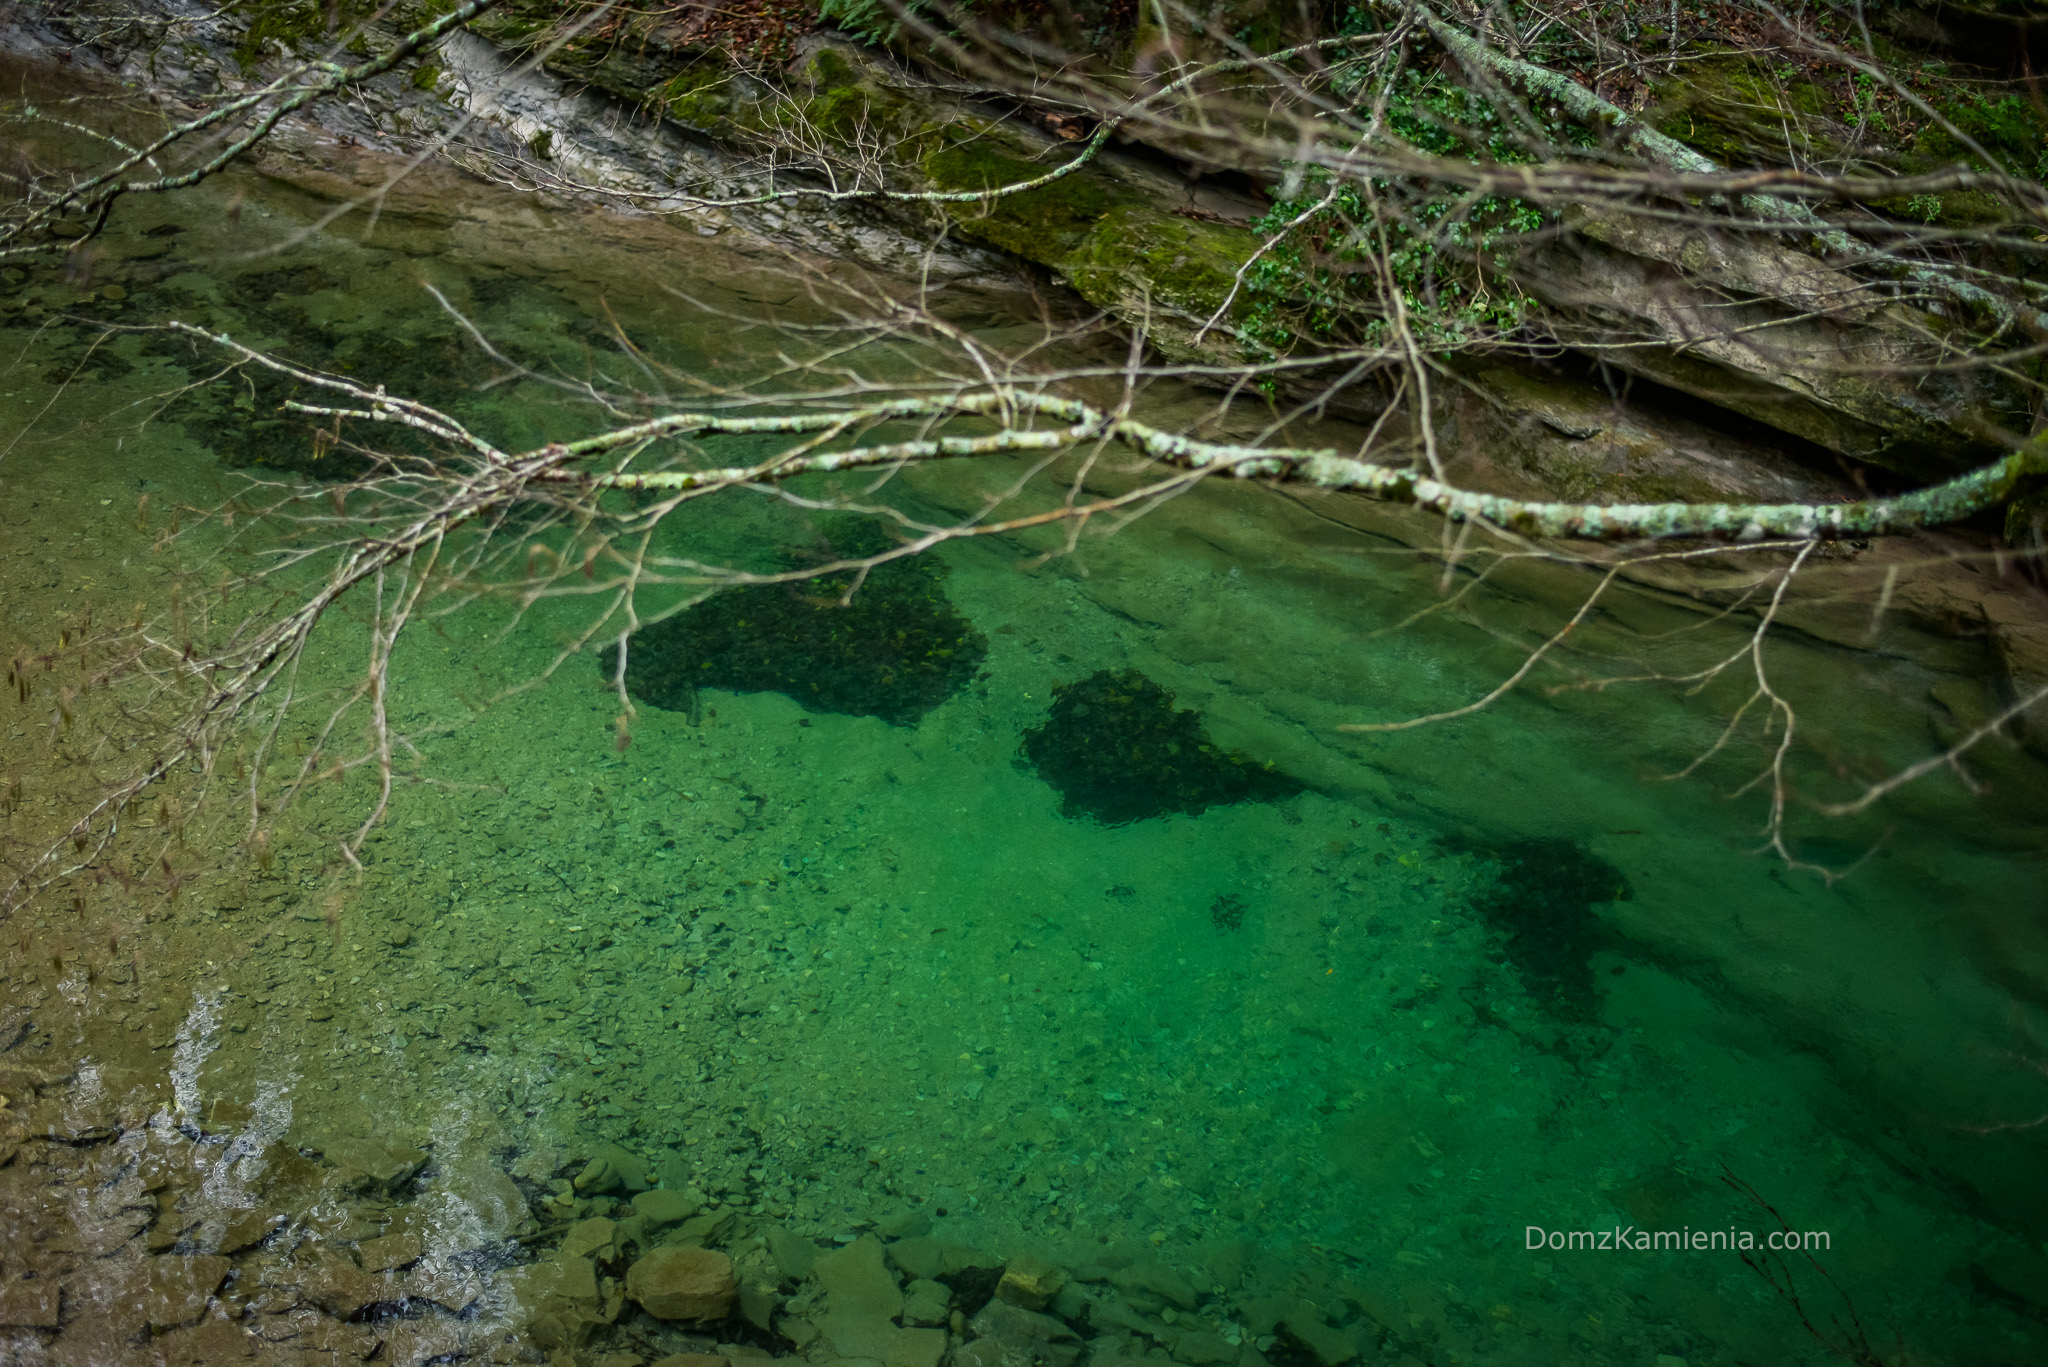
column 1477, row 1042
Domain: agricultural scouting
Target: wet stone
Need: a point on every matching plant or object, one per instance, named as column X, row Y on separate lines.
column 662, row 1208
column 29, row 1304
column 377, row 1165
column 1330, row 1346
column 414, row 1343
column 1201, row 1347
column 214, row 1341
column 757, row 1306
column 246, row 1229
column 921, row 1259
column 180, row 1287
column 1030, row 1282
column 590, row 1238
column 1157, row 1279
column 904, row 1222
column 391, row 1250
column 857, row 1282
column 683, row 1284
column 1026, row 1335
column 927, row 1303
column 565, row 1279
column 484, row 1201
column 795, row 1257
column 609, row 1169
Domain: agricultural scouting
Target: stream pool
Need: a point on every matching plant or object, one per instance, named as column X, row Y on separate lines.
column 1399, row 1061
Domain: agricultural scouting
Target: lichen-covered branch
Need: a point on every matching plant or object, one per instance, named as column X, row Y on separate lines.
column 1667, row 152
column 1013, row 407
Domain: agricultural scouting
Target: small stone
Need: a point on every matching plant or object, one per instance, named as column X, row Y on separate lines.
column 1030, row 1282
column 663, row 1208
column 392, row 1250
column 589, row 1238
column 794, row 1256
column 483, row 1193
column 29, row 1305
column 1330, row 1346
column 180, row 1287
column 904, row 1222
column 1026, row 1336
column 920, row 1258
column 204, row 1344
column 373, row 1164
column 1202, row 1347
column 858, row 1282
column 683, row 1284
column 757, row 1306
column 707, row 1228
column 611, row 1167
column 1071, row 1304
column 1159, row 1280
column 247, row 1229
column 927, row 1303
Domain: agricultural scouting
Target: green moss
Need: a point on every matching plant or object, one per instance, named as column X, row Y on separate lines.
column 1737, row 110
column 295, row 24
column 1043, row 225
column 1183, row 263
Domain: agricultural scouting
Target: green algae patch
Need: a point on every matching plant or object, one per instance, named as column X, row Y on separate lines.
column 1119, row 751
column 893, row 646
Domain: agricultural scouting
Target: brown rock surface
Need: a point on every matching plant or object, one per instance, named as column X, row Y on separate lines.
column 683, row 1284
column 589, row 1238
column 180, row 1287
column 29, row 1305
column 1030, row 1282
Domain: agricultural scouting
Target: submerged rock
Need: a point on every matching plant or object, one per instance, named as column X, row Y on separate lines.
column 683, row 1284
column 1542, row 908
column 890, row 645
column 1119, row 751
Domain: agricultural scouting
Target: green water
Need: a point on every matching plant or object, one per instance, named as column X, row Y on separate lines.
column 1329, row 1058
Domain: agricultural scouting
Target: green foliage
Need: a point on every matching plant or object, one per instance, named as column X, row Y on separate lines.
column 2009, row 127
column 1448, row 255
column 876, row 21
column 296, row 23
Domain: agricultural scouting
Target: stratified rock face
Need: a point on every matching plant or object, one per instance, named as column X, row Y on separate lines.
column 1777, row 336
column 1118, row 750
column 683, row 1284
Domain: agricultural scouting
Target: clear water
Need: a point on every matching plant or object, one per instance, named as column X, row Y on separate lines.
column 841, row 977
